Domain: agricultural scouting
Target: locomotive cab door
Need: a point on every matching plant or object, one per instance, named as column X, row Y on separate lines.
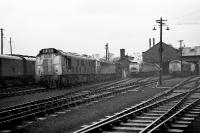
column 47, row 64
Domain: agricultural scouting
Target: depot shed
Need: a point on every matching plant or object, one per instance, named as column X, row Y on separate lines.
column 169, row 53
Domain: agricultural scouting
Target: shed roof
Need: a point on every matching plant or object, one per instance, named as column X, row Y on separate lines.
column 163, row 43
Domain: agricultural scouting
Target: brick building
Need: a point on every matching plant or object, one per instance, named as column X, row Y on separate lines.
column 125, row 62
column 170, row 53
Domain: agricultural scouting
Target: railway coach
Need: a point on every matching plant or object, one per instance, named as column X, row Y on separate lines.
column 55, row 68
column 178, row 68
column 16, row 69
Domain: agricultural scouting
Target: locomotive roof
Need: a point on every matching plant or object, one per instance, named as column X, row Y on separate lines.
column 75, row 55
column 70, row 54
column 15, row 57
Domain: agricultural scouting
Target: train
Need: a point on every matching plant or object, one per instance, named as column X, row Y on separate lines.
column 181, row 68
column 16, row 69
column 56, row 68
column 176, row 68
column 143, row 69
column 134, row 67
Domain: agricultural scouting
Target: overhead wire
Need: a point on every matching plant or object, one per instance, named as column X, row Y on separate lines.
column 191, row 14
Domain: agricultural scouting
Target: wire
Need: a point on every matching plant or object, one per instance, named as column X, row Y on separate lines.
column 188, row 14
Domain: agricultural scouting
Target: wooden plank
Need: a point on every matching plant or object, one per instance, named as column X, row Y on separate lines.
column 175, row 130
column 128, row 128
column 179, row 125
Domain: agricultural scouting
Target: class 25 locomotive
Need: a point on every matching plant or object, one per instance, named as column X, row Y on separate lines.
column 54, row 66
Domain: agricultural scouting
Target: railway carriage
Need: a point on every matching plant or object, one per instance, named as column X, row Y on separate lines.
column 176, row 67
column 57, row 68
column 16, row 68
column 107, row 70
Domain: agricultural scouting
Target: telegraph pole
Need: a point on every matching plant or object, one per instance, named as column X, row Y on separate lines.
column 107, row 52
column 161, row 24
column 10, row 46
column 181, row 48
column 1, row 40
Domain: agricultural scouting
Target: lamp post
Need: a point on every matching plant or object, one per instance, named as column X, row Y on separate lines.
column 1, row 40
column 161, row 24
column 181, row 51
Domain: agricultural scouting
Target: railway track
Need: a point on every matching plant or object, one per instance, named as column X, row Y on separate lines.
column 33, row 88
column 23, row 90
column 11, row 118
column 145, row 116
column 182, row 120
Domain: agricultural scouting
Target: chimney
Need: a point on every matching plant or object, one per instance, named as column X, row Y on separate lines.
column 149, row 43
column 153, row 41
column 122, row 53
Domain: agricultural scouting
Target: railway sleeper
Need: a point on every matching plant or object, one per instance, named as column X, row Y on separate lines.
column 50, row 110
column 4, row 114
column 12, row 123
column 143, row 125
column 14, row 116
column 183, row 121
column 126, row 129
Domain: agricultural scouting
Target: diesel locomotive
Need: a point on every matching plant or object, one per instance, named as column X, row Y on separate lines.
column 56, row 68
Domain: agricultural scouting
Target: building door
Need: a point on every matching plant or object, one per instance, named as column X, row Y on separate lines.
column 124, row 74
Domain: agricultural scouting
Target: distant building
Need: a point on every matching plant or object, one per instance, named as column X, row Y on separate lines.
column 152, row 55
column 125, row 62
column 188, row 51
column 192, row 55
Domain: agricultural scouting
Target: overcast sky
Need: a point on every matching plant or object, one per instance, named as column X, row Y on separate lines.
column 85, row 26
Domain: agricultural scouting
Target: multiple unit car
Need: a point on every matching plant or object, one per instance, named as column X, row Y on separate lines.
column 57, row 68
